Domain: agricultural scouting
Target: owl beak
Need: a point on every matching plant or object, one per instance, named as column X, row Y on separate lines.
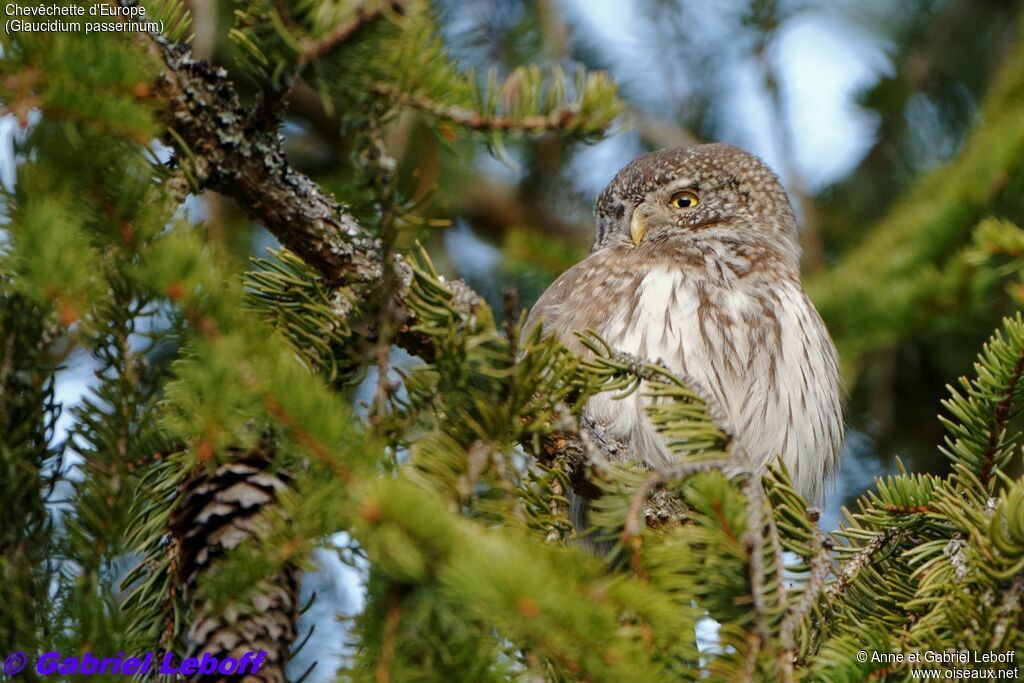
column 637, row 226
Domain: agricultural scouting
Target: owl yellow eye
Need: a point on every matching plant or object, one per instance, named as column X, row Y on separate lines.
column 685, row 199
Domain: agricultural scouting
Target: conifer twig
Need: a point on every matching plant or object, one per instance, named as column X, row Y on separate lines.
column 577, row 444
column 387, row 653
column 383, row 184
column 313, row 49
column 821, row 565
column 1002, row 413
column 633, row 526
column 753, row 539
column 473, row 120
column 553, row 533
column 859, row 561
column 660, row 477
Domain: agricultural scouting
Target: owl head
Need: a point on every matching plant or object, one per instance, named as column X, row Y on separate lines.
column 710, row 192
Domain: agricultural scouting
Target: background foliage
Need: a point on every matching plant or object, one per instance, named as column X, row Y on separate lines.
column 217, row 383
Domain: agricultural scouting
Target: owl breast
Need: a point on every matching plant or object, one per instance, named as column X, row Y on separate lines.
column 759, row 349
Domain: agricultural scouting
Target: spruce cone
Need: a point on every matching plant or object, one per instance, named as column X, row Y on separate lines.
column 218, row 512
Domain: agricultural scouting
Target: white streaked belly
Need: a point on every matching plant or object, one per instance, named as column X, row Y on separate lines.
column 777, row 385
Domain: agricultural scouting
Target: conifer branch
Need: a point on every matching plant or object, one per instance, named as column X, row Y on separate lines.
column 387, row 653
column 28, row 413
column 862, row 559
column 821, row 565
column 918, row 237
column 560, row 119
column 989, row 400
column 312, row 49
column 575, row 446
column 753, row 541
column 1002, row 413
column 383, row 185
column 633, row 525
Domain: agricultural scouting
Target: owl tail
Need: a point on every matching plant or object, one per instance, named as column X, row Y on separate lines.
column 588, row 537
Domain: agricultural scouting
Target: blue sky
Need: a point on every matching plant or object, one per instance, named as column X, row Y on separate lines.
column 823, row 58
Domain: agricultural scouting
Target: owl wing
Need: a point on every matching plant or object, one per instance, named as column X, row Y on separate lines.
column 569, row 305
column 573, row 304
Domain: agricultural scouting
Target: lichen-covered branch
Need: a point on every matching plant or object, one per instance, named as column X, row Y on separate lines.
column 238, row 152
column 228, row 148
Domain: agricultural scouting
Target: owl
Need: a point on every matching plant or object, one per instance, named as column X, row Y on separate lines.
column 696, row 266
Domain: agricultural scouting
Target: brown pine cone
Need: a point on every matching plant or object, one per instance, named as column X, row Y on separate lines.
column 217, row 512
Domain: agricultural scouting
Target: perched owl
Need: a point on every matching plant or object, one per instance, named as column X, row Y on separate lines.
column 696, row 265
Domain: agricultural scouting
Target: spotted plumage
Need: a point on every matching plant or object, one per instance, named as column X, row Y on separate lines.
column 696, row 265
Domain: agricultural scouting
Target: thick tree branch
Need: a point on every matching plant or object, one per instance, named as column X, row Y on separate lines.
column 239, row 152
column 232, row 150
